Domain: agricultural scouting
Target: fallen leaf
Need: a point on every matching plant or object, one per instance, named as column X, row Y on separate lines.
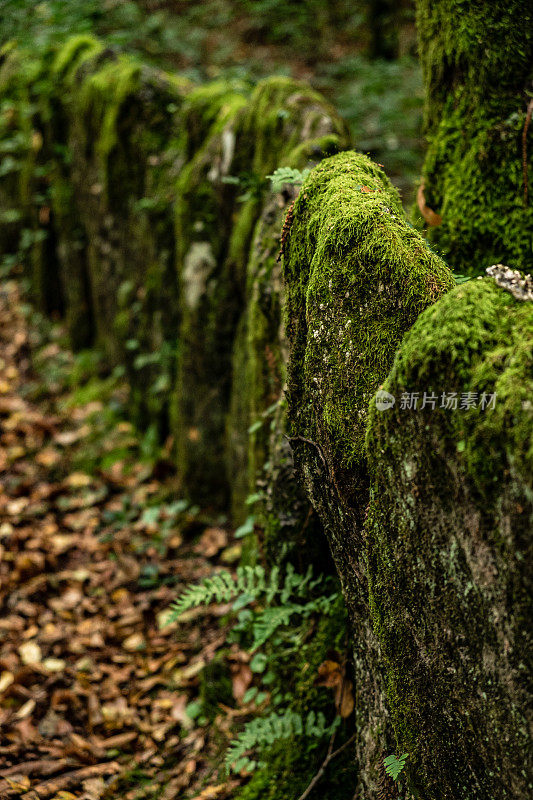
column 6, row 679
column 30, row 653
column 134, row 642
column 241, row 679
column 78, row 480
column 19, row 783
column 48, row 457
column 431, row 217
column 331, row 675
column 94, row 788
column 25, row 710
column 211, row 792
column 211, row 542
column 54, row 664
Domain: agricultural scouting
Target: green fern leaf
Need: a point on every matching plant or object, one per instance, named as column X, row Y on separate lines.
column 394, row 765
column 265, row 731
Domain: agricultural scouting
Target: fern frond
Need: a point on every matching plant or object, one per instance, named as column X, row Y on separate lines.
column 268, row 621
column 394, row 765
column 252, row 583
column 249, row 583
column 265, row 731
column 284, row 175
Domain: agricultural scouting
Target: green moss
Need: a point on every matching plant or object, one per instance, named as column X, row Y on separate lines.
column 120, row 122
column 358, row 276
column 72, row 54
column 447, row 539
column 476, row 59
column 287, row 123
column 102, row 95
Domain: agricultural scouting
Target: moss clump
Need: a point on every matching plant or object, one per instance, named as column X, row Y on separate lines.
column 476, row 60
column 358, row 275
column 215, row 686
column 119, row 121
column 448, row 545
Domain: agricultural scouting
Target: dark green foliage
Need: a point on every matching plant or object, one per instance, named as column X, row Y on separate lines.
column 394, row 765
column 281, row 618
column 215, row 686
column 289, row 766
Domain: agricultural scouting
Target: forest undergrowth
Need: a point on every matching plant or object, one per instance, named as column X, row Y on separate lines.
column 96, row 698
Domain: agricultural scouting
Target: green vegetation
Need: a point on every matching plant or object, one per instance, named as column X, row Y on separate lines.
column 394, row 765
column 265, row 731
column 280, row 618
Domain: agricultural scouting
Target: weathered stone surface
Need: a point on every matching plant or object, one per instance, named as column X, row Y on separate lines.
column 222, row 194
column 357, row 276
column 448, row 543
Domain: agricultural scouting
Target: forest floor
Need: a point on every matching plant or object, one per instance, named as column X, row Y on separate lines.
column 96, row 699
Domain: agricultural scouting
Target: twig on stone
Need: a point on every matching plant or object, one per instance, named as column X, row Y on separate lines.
column 319, row 450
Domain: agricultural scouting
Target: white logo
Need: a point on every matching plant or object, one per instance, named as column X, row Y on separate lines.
column 384, row 400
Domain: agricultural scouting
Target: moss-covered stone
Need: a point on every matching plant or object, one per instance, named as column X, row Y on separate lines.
column 210, row 300
column 26, row 231
column 357, row 276
column 449, row 546
column 477, row 63
column 282, row 122
column 123, row 136
column 261, row 457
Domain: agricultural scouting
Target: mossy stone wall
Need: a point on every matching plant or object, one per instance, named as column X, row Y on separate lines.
column 477, row 61
column 281, row 123
column 139, row 194
column 357, row 277
column 162, row 248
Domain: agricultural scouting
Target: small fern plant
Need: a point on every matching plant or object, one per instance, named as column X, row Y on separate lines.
column 394, row 766
column 264, row 603
column 262, row 732
column 287, row 175
column 281, row 598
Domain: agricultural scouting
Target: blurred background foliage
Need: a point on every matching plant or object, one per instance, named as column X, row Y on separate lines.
column 360, row 54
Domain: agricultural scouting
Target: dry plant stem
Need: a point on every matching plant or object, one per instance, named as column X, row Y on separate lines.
column 330, row 756
column 63, row 782
column 529, row 112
